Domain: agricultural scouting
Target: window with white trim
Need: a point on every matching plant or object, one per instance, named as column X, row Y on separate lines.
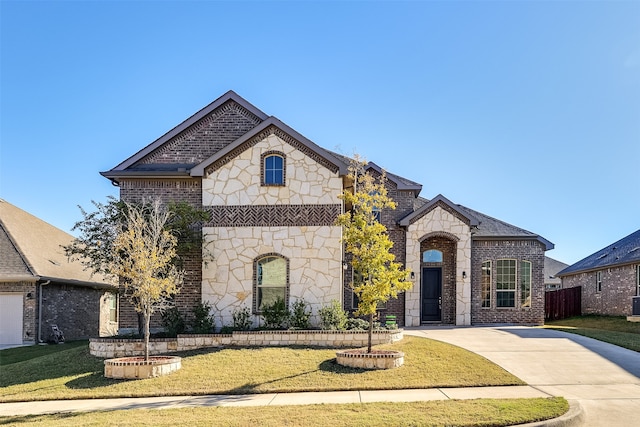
column 598, row 281
column 112, row 302
column 506, row 283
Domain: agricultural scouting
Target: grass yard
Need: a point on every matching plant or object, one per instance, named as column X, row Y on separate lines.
column 612, row 329
column 69, row 372
column 481, row 412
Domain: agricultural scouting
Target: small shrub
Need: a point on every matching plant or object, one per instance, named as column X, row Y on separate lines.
column 299, row 315
column 242, row 319
column 227, row 329
column 203, row 321
column 355, row 324
column 276, row 315
column 173, row 322
column 333, row 317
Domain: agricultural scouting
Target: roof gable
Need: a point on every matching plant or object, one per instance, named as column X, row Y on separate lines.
column 39, row 246
column 624, row 251
column 442, row 202
column 150, row 158
column 270, row 126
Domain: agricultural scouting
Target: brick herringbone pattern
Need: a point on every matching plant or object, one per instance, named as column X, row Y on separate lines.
column 273, row 215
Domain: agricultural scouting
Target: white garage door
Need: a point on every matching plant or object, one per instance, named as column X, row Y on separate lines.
column 11, row 318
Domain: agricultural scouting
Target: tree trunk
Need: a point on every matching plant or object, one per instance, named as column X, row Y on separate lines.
column 370, row 332
column 147, row 321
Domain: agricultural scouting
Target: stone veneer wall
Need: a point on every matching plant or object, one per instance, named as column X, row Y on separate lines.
column 109, row 348
column 238, row 182
column 440, row 222
column 315, row 266
column 294, row 220
column 615, row 298
column 29, row 307
column 520, row 250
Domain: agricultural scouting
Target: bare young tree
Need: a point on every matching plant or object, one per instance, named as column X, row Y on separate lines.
column 143, row 254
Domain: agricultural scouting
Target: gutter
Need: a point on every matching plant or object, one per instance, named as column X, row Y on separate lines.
column 40, row 311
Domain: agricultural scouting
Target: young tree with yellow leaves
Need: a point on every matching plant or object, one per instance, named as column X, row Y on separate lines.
column 143, row 257
column 376, row 275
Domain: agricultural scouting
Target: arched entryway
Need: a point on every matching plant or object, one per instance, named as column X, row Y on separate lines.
column 438, row 278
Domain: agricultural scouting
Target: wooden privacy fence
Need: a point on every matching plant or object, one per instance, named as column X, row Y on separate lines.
column 563, row 303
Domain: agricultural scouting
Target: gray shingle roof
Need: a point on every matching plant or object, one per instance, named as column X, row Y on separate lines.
column 624, row 251
column 551, row 269
column 33, row 249
column 489, row 227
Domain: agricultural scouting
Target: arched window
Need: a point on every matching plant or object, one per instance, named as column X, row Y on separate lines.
column 273, row 169
column 271, row 280
column 432, row 255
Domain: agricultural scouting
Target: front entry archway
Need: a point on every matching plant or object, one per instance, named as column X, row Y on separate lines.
column 431, row 291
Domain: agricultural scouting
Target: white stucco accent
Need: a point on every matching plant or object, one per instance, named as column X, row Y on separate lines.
column 238, row 181
column 439, row 220
column 315, row 265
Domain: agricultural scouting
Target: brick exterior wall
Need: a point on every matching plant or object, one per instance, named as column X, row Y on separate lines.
column 207, row 137
column 29, row 307
column 493, row 250
column 76, row 310
column 614, row 299
column 187, row 190
column 448, row 266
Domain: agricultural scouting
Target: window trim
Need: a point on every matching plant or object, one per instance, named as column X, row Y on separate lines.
column 638, row 280
column 599, row 281
column 256, row 286
column 112, row 301
column 263, row 168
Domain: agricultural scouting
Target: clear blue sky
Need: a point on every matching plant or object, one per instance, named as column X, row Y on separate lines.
column 526, row 111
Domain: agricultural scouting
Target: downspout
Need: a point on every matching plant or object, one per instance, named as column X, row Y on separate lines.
column 40, row 311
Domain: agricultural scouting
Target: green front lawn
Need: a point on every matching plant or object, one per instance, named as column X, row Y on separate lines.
column 69, row 372
column 481, row 412
column 612, row 329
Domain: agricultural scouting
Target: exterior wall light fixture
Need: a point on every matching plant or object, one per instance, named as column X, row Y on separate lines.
column 464, row 274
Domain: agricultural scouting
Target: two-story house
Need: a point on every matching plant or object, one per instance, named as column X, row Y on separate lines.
column 274, row 196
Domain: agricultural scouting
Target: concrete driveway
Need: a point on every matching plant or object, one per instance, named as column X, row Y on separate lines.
column 603, row 378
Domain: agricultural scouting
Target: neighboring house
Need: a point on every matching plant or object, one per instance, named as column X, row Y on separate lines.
column 610, row 277
column 40, row 287
column 274, row 196
column 551, row 268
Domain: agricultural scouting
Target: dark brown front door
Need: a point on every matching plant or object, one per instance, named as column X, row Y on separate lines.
column 431, row 294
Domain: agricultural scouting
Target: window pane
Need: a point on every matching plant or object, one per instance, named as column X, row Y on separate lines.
column 272, row 271
column 506, row 283
column 486, row 284
column 274, row 170
column 525, row 284
column 432, row 255
column 271, row 281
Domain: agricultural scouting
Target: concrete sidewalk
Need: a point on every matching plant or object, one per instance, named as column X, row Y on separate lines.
column 269, row 399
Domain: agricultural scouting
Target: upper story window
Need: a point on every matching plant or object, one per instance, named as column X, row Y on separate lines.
column 432, row 255
column 273, row 168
